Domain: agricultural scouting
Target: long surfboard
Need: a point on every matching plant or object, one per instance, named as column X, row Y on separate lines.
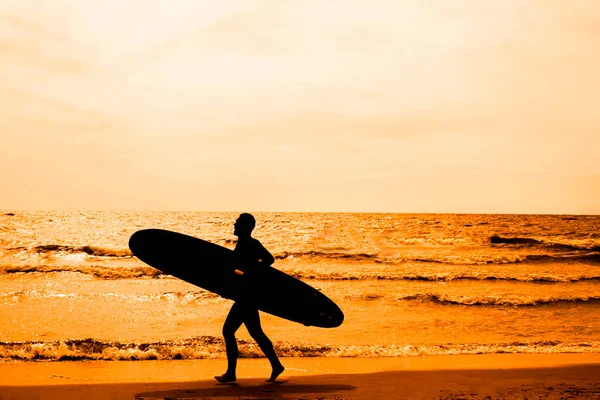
column 210, row 267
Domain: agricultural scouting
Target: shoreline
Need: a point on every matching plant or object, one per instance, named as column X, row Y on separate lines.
column 448, row 377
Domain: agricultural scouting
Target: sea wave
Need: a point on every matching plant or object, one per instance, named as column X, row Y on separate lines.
column 187, row 297
column 115, row 272
column 58, row 249
column 515, row 300
column 326, row 255
column 90, row 250
column 592, row 257
column 180, row 297
column 205, row 347
column 564, row 245
column 439, row 277
column 589, row 258
column 99, row 271
column 545, row 253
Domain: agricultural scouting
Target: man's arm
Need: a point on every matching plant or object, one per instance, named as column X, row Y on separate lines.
column 265, row 258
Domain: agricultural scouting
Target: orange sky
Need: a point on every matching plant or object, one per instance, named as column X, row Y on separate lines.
column 394, row 106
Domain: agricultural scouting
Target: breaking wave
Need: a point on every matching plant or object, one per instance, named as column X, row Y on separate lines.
column 587, row 253
column 51, row 249
column 438, row 277
column 205, row 347
column 515, row 301
column 327, row 255
column 180, row 297
column 90, row 250
column 592, row 257
column 104, row 272
column 591, row 246
column 98, row 271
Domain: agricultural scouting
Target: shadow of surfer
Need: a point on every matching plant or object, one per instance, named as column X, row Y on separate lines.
column 250, row 258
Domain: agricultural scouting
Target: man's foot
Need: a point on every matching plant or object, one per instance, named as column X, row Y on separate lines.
column 225, row 378
column 276, row 372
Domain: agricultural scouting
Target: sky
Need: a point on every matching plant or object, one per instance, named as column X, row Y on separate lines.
column 461, row 106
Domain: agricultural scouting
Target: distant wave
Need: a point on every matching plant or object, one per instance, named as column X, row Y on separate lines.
column 90, row 250
column 495, row 239
column 205, row 347
column 516, row 301
column 98, row 271
column 440, row 277
column 590, row 258
column 396, row 259
column 556, row 253
column 59, row 248
column 180, row 297
column 326, row 255
column 187, row 297
column 514, row 240
column 103, row 272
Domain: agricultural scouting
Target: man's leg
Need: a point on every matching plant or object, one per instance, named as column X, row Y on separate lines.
column 252, row 322
column 234, row 320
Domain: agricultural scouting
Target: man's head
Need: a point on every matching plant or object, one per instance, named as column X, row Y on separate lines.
column 244, row 225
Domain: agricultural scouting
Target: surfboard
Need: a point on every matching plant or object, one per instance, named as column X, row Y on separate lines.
column 210, row 267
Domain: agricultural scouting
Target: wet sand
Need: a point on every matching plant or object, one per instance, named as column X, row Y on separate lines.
column 507, row 376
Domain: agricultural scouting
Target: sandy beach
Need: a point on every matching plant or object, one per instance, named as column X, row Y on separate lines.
column 506, row 376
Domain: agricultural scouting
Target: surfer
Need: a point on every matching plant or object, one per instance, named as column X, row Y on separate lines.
column 250, row 258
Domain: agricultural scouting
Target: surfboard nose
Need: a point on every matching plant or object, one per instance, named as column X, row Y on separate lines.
column 136, row 241
column 142, row 242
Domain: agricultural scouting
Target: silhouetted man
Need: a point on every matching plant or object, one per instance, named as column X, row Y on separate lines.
column 250, row 259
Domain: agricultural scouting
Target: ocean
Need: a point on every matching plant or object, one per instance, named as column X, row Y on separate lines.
column 409, row 285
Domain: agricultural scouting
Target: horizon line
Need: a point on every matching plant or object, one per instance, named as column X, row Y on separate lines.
column 9, row 211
